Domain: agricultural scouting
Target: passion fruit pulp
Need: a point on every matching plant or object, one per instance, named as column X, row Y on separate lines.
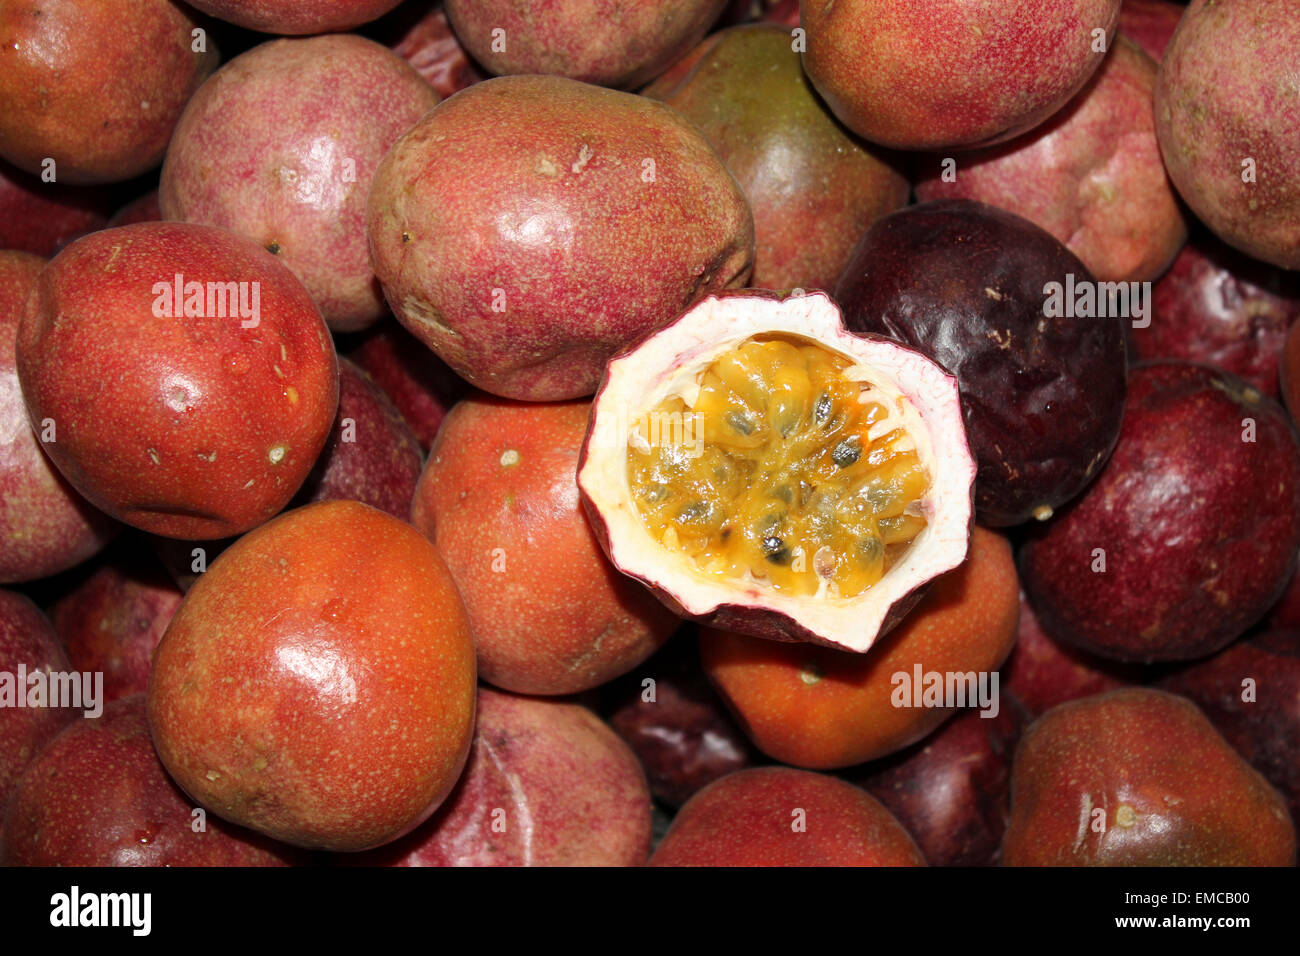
column 768, row 472
column 803, row 474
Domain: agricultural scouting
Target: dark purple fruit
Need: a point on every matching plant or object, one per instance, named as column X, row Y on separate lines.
column 681, row 733
column 952, row 791
column 967, row 284
column 1221, row 307
column 1251, row 693
column 1189, row 534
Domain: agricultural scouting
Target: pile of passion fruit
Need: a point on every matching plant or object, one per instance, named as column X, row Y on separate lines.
column 619, row 467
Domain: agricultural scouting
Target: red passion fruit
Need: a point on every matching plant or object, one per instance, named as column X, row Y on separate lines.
column 767, row 472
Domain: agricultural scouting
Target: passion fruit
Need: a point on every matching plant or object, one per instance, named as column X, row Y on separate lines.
column 767, row 472
column 1139, row 777
column 1190, row 533
column 1042, row 389
column 531, row 227
column 779, row 816
column 823, row 709
column 1219, row 306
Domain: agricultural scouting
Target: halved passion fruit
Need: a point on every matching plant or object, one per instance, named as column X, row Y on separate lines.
column 764, row 470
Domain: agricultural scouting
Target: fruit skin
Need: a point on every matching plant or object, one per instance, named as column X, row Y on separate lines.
column 533, row 762
column 748, row 818
column 718, row 323
column 1042, row 673
column 40, row 218
column 280, row 673
column 930, row 74
column 550, row 614
column 420, row 384
column 1289, row 371
column 964, row 283
column 822, row 708
column 549, row 177
column 619, row 43
column 746, row 91
column 26, row 638
column 111, row 622
column 372, row 456
column 75, row 78
column 281, row 145
column 1265, row 729
column 1151, row 23
column 97, row 796
column 45, row 526
column 1286, row 612
column 182, row 389
column 1193, row 555
column 296, row 16
column 952, row 791
column 1091, row 175
column 1218, row 306
column 425, row 39
column 1149, row 765
column 1215, row 109
column 684, row 737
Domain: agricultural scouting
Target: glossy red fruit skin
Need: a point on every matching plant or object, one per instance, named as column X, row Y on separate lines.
column 96, row 87
column 1150, row 23
column 963, row 282
column 97, row 796
column 420, row 384
column 1042, row 673
column 546, row 173
column 684, row 736
column 26, row 638
column 1218, row 306
column 111, row 622
column 1194, row 555
column 940, row 74
column 1148, row 765
column 952, row 791
column 45, row 525
column 550, row 614
column 317, row 683
column 40, row 217
column 1266, row 728
column 533, row 761
column 372, row 456
column 180, row 426
column 752, row 818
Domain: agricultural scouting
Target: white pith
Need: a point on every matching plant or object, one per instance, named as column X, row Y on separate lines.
column 920, row 394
